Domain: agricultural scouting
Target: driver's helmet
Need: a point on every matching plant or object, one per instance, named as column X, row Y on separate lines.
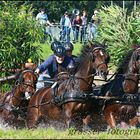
column 60, row 51
column 68, row 46
column 55, row 44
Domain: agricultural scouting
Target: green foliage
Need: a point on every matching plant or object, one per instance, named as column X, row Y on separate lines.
column 6, row 87
column 55, row 9
column 119, row 31
column 18, row 31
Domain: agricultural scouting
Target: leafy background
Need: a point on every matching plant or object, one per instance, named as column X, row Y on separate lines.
column 119, row 30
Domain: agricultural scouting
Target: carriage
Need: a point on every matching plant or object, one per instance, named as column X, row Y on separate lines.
column 77, row 95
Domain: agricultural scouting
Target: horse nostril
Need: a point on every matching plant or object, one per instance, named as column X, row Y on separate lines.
column 102, row 72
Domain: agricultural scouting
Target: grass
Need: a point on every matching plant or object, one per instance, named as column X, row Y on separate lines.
column 51, row 133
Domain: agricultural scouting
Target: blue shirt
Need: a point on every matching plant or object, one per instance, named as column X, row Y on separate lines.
column 51, row 65
column 42, row 17
column 65, row 21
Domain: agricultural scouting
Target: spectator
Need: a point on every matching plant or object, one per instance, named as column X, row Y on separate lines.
column 42, row 17
column 65, row 24
column 84, row 27
column 77, row 22
column 95, row 21
column 43, row 20
column 56, row 63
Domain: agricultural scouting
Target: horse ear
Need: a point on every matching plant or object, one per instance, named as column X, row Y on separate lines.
column 90, row 43
column 104, row 43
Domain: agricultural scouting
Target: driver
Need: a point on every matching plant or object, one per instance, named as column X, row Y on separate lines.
column 56, row 63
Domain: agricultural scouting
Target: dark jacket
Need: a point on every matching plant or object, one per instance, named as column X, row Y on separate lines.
column 52, row 67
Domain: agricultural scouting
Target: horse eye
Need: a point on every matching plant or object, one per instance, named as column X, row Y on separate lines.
column 137, row 58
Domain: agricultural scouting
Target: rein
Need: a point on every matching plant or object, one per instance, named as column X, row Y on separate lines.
column 96, row 48
column 80, row 77
column 28, row 84
column 19, row 83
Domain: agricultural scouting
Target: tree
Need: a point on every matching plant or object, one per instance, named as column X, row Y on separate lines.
column 119, row 30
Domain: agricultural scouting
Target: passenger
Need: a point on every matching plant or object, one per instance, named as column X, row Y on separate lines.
column 69, row 49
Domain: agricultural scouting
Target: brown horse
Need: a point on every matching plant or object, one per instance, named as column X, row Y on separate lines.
column 15, row 103
column 124, row 86
column 71, row 99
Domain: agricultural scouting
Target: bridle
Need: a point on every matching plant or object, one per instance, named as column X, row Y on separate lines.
column 73, row 77
column 30, row 83
column 130, row 75
column 92, row 52
column 23, row 85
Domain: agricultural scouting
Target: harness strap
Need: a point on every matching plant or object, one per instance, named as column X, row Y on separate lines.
column 54, row 88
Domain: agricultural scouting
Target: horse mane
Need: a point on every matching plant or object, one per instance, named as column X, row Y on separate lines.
column 124, row 64
column 84, row 54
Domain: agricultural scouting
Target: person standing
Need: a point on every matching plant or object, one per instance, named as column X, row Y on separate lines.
column 84, row 27
column 43, row 20
column 95, row 21
column 65, row 24
column 42, row 17
column 77, row 22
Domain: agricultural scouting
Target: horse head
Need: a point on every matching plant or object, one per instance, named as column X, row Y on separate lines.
column 100, row 59
column 92, row 61
column 27, row 82
column 131, row 80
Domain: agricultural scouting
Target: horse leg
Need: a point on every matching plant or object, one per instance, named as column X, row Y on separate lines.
column 68, row 118
column 86, row 123
column 134, row 121
column 32, row 117
column 110, row 119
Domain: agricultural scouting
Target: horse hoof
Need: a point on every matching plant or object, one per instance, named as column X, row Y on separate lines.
column 123, row 125
column 86, row 128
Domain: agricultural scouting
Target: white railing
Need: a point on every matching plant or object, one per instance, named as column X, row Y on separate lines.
column 55, row 31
